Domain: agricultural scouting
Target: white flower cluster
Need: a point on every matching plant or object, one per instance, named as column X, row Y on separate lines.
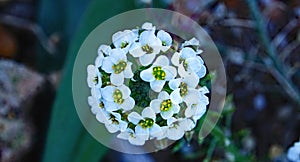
column 173, row 75
column 294, row 152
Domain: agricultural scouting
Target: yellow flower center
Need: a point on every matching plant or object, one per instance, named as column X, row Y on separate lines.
column 166, row 105
column 146, row 48
column 119, row 67
column 147, row 123
column 158, row 73
column 183, row 89
column 118, row 97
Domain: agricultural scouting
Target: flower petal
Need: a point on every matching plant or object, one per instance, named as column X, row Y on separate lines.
column 105, row 49
column 202, row 71
column 107, row 65
column 138, row 141
column 175, row 96
column 124, row 135
column 136, row 50
column 162, row 61
column 174, row 83
column 171, row 120
column 175, row 133
column 122, row 125
column 111, row 106
column 189, row 111
column 148, row 26
column 164, row 37
column 175, row 108
column 191, row 42
column 166, row 114
column 112, row 128
column 187, row 52
column 102, row 117
column 157, row 85
column 163, row 95
column 117, row 79
column 107, row 93
column 148, row 113
column 147, row 59
column 143, row 133
column 99, row 60
column 193, row 64
column 155, row 105
column 191, row 80
column 125, row 91
column 155, row 130
column 170, row 71
column 128, row 104
column 192, row 97
column 134, row 117
column 175, row 59
column 146, row 75
column 187, row 124
column 128, row 71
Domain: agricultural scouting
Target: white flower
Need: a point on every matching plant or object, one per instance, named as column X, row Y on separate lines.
column 116, row 64
column 94, row 77
column 192, row 42
column 166, row 40
column 294, row 152
column 147, row 47
column 96, row 104
column 116, row 98
column 184, row 89
column 132, row 137
column 197, row 109
column 145, row 125
column 148, row 26
column 176, row 128
column 159, row 73
column 124, row 39
column 188, row 62
column 112, row 121
column 164, row 105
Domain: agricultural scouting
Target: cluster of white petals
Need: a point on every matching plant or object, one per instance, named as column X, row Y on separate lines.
column 173, row 76
column 293, row 153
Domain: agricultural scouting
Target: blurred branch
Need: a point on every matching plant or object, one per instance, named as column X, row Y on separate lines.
column 285, row 31
column 276, row 67
column 20, row 23
column 234, row 22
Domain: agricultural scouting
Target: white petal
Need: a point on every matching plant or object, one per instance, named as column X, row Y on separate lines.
column 174, row 83
column 104, row 49
column 117, row 79
column 134, row 117
column 202, row 71
column 124, row 135
column 123, row 125
column 111, row 106
column 192, row 97
column 166, row 114
column 200, row 110
column 189, row 111
column 148, row 26
column 125, row 91
column 136, row 50
column 146, row 75
column 128, row 71
column 191, row 80
column 99, row 60
column 95, row 110
column 191, row 42
column 147, row 59
column 161, row 61
column 112, row 128
column 175, row 133
column 164, row 37
column 148, row 113
column 175, row 108
column 163, row 95
column 187, row 52
column 203, row 90
column 92, row 101
column 181, row 71
column 155, row 130
column 193, row 64
column 138, row 141
column 147, row 37
column 187, row 124
column 143, row 133
column 117, row 55
column 102, row 117
column 171, row 120
column 128, row 104
column 157, row 85
column 175, row 96
column 170, row 72
column 155, row 105
column 175, row 59
column 107, row 93
column 107, row 65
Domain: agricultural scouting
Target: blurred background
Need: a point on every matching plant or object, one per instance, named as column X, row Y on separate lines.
column 259, row 41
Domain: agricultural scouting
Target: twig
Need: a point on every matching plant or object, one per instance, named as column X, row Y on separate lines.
column 233, row 22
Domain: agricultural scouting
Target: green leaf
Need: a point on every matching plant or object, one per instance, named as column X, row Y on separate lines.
column 67, row 140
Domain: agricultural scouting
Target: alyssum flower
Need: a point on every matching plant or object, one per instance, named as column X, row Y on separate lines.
column 141, row 56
